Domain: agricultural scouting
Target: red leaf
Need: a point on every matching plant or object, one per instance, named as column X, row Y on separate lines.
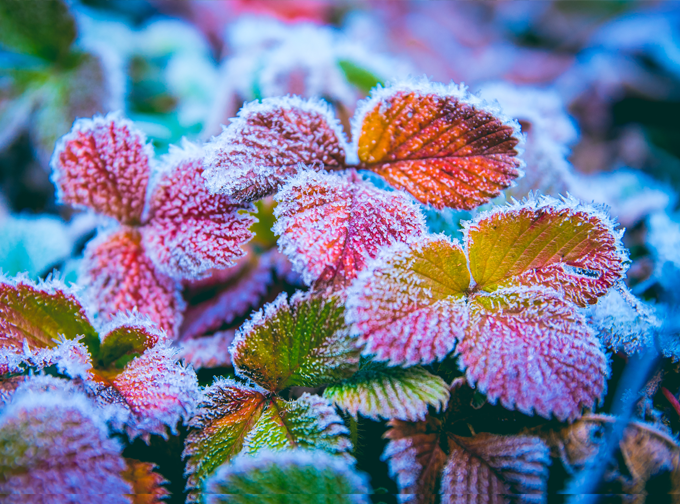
column 444, row 146
column 270, row 142
column 331, row 225
column 190, row 231
column 120, row 277
column 533, row 351
column 103, row 164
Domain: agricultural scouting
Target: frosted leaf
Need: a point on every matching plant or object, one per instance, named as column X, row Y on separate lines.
column 308, row 422
column 408, row 304
column 492, row 465
column 416, row 457
column 55, row 443
column 292, row 477
column 378, row 391
column 126, row 336
column 207, row 351
column 36, row 314
column 331, row 225
column 301, row 342
column 190, row 231
column 246, row 292
column 70, row 356
column 663, row 239
column 269, row 142
column 533, row 351
column 564, row 245
column 103, row 164
column 120, row 277
column 446, row 147
column 624, row 323
column 225, row 415
column 159, row 391
column 549, row 132
column 147, row 485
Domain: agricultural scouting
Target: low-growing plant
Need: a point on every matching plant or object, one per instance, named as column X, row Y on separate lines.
column 483, row 355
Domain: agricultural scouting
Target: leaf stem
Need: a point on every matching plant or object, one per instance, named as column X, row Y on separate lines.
column 671, row 399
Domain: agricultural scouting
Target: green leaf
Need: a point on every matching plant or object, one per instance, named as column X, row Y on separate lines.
column 235, row 418
column 293, row 477
column 124, row 338
column 378, row 391
column 362, row 78
column 302, row 342
column 308, row 422
column 39, row 313
column 43, row 28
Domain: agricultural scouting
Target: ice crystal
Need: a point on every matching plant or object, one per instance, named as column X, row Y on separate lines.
column 378, row 391
column 331, row 225
column 269, row 142
column 190, row 231
column 508, row 298
column 54, row 443
column 103, row 164
column 293, row 477
column 301, row 342
column 158, row 390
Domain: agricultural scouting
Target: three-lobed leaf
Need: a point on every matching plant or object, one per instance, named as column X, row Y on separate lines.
column 233, row 418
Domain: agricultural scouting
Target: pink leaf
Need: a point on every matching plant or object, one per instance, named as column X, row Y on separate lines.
column 409, row 304
column 56, row 444
column 533, row 351
column 331, row 225
column 208, row 351
column 190, row 231
column 120, row 277
column 103, row 164
column 158, row 389
column 269, row 142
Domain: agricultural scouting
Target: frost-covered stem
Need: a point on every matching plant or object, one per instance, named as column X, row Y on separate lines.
column 632, row 301
column 671, row 399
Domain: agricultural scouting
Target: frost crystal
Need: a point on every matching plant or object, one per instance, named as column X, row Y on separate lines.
column 269, row 142
column 121, row 277
column 190, row 231
column 103, row 164
column 293, row 477
column 331, row 225
column 158, row 390
column 54, row 443
column 446, row 147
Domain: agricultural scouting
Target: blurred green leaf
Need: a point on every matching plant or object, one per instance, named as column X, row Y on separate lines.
column 43, row 28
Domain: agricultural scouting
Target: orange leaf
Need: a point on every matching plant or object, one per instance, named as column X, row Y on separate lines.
column 146, row 483
column 563, row 245
column 444, row 146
